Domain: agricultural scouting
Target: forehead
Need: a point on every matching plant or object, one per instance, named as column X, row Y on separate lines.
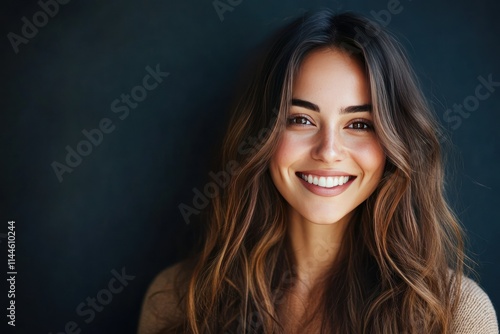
column 331, row 75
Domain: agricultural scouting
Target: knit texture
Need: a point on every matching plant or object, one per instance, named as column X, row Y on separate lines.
column 475, row 313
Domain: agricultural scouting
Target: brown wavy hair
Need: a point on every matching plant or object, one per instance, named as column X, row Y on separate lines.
column 394, row 271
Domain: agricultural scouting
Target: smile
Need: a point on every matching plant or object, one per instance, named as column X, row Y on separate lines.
column 326, row 185
column 326, row 182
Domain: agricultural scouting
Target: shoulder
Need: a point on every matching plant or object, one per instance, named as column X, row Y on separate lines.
column 475, row 312
column 161, row 301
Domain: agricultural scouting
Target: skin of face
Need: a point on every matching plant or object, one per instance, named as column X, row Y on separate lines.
column 338, row 138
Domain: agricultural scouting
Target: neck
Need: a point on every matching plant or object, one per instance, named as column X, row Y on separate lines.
column 314, row 247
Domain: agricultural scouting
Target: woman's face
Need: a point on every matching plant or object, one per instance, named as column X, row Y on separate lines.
column 329, row 159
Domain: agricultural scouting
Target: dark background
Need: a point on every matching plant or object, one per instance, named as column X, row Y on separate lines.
column 119, row 207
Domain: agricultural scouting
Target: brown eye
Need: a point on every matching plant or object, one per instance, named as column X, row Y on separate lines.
column 359, row 125
column 299, row 120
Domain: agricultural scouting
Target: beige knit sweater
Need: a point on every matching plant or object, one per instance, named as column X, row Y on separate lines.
column 475, row 314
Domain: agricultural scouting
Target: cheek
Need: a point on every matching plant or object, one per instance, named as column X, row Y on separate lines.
column 278, row 160
column 290, row 148
column 369, row 155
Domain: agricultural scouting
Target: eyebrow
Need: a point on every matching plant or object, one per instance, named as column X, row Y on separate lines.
column 346, row 110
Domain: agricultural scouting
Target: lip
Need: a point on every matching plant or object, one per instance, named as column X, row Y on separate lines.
column 322, row 191
column 323, row 172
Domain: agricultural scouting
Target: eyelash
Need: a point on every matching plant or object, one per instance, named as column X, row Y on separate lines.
column 366, row 125
column 291, row 119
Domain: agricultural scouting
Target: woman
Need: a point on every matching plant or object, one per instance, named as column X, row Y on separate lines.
column 335, row 220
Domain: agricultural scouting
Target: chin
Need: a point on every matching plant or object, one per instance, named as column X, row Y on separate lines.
column 326, row 219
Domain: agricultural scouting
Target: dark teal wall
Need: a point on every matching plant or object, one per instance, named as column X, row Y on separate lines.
column 118, row 207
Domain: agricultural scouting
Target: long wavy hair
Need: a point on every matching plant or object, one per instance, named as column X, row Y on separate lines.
column 402, row 255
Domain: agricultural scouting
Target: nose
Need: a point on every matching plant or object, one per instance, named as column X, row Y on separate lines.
column 328, row 146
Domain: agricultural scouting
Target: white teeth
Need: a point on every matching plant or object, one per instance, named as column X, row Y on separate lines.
column 329, row 182
column 326, row 181
column 335, row 181
column 322, row 182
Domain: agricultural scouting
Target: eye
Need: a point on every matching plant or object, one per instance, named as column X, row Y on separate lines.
column 360, row 125
column 299, row 120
